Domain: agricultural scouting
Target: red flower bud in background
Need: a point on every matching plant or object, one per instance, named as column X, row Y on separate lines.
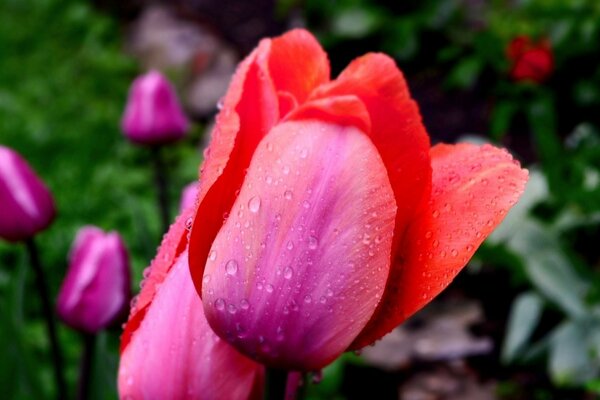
column 530, row 60
column 340, row 220
column 27, row 206
column 168, row 350
column 153, row 114
column 97, row 287
column 188, row 196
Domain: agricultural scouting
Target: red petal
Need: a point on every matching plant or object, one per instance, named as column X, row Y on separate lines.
column 173, row 244
column 250, row 110
column 396, row 127
column 340, row 110
column 298, row 64
column 472, row 189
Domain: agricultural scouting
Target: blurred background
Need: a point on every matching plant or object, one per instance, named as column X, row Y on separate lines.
column 521, row 322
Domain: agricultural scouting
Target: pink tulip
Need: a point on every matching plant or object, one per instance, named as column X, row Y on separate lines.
column 27, row 205
column 168, row 350
column 188, row 196
column 153, row 114
column 96, row 290
column 325, row 218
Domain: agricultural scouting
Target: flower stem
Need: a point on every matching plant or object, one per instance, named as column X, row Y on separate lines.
column 41, row 282
column 161, row 183
column 85, row 368
column 275, row 384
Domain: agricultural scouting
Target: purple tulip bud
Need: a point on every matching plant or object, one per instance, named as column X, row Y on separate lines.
column 188, row 196
column 96, row 290
column 27, row 205
column 153, row 114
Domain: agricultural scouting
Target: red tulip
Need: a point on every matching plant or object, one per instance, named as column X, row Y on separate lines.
column 324, row 217
column 168, row 350
column 530, row 61
column 153, row 115
column 97, row 288
column 27, row 205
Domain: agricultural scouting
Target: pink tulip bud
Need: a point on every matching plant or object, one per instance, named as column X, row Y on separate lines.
column 27, row 205
column 96, row 289
column 153, row 114
column 188, row 196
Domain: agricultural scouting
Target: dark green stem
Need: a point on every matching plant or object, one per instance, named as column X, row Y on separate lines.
column 42, row 289
column 275, row 384
column 85, row 368
column 161, row 183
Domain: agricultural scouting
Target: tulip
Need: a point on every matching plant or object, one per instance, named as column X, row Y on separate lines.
column 168, row 350
column 153, row 115
column 324, row 216
column 27, row 205
column 28, row 208
column 188, row 196
column 96, row 289
column 530, row 61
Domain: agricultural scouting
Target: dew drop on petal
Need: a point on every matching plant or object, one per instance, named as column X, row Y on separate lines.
column 254, row 204
column 307, row 299
column 313, row 242
column 231, row 267
column 212, row 256
column 287, row 194
column 290, row 245
column 288, row 272
column 220, row 304
column 244, row 304
column 269, row 288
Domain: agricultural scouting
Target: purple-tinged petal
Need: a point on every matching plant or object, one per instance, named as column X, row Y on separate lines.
column 27, row 205
column 188, row 196
column 301, row 263
column 96, row 289
column 153, row 114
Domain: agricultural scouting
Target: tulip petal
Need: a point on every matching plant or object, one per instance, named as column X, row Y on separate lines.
column 175, row 355
column 472, row 189
column 173, row 244
column 396, row 127
column 249, row 111
column 300, row 264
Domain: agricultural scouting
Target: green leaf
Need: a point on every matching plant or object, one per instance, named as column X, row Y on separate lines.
column 524, row 316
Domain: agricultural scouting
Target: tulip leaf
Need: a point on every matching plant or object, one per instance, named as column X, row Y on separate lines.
column 572, row 358
column 524, row 317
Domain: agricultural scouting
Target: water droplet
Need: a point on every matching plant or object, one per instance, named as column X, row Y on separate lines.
column 270, row 146
column 269, row 179
column 313, row 242
column 323, row 299
column 436, row 243
column 220, row 304
column 454, row 252
column 231, row 308
column 244, row 304
column 305, row 204
column 428, row 234
column 212, row 256
column 231, row 267
column 259, row 286
column 285, row 170
column 469, row 247
column 436, row 214
column 206, row 279
column 329, row 292
column 188, row 223
column 290, row 245
column 288, row 272
column 254, row 204
column 269, row 288
column 303, row 153
column 287, row 194
column 307, row 299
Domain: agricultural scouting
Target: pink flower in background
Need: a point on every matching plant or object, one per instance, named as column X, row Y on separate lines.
column 168, row 350
column 530, row 61
column 96, row 289
column 153, row 114
column 26, row 205
column 325, row 218
column 188, row 196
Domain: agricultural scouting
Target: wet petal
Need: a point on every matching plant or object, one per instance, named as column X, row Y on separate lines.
column 472, row 189
column 175, row 355
column 301, row 262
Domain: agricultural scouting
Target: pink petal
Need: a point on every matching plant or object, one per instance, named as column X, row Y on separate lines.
column 301, row 263
column 175, row 355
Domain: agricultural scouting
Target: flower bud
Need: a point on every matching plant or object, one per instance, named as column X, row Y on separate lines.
column 96, row 289
column 27, row 205
column 153, row 114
